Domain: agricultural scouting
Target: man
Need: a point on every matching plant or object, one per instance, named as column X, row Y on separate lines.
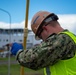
column 56, row 54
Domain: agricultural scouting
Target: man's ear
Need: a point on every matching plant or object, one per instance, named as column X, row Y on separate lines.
column 44, row 27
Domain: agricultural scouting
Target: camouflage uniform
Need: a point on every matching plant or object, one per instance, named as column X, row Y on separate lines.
column 56, row 47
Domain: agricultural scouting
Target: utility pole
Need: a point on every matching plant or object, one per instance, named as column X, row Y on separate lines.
column 25, row 31
column 9, row 38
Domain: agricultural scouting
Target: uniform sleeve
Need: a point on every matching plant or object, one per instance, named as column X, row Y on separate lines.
column 55, row 48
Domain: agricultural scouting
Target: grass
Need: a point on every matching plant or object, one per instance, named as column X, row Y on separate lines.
column 4, row 59
column 15, row 69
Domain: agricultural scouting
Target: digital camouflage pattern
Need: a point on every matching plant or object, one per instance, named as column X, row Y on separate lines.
column 56, row 47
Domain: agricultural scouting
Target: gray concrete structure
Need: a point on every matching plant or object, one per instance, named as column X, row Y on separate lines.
column 16, row 35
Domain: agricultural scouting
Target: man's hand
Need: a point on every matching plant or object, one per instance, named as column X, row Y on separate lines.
column 15, row 48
